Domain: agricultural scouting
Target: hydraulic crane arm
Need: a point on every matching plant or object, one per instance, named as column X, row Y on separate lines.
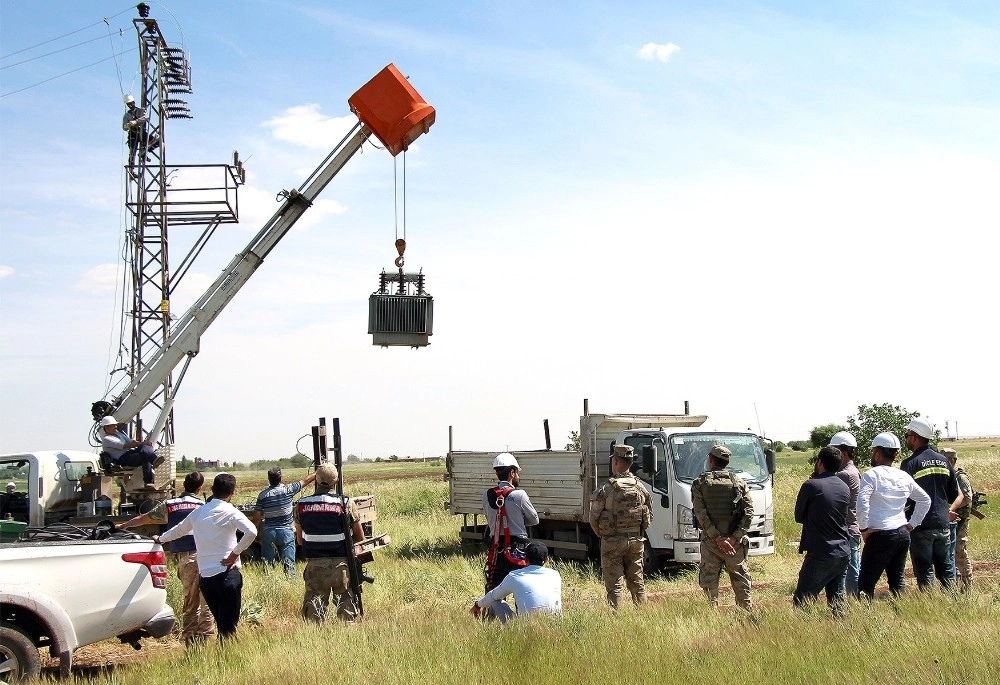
column 387, row 107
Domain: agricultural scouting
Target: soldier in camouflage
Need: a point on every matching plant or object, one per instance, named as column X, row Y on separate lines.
column 619, row 513
column 319, row 529
column 724, row 511
column 962, row 509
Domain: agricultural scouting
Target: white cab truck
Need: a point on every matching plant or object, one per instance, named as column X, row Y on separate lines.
column 671, row 451
column 62, row 591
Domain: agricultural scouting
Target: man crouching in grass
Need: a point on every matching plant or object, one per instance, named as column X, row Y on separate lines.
column 536, row 589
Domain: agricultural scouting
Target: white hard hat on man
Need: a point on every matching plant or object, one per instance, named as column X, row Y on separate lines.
column 922, row 428
column 505, row 459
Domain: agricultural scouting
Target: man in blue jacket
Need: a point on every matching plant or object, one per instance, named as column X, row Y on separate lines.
column 929, row 541
column 821, row 507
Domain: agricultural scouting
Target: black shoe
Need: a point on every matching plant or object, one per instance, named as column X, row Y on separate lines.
column 159, row 460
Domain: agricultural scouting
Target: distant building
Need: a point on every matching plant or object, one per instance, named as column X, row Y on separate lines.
column 202, row 464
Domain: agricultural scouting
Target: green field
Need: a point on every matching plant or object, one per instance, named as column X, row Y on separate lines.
column 417, row 626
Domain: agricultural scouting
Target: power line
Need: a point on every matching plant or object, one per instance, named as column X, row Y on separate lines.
column 32, row 59
column 67, row 73
column 52, row 40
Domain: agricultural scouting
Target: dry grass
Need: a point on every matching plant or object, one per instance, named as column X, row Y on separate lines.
column 417, row 627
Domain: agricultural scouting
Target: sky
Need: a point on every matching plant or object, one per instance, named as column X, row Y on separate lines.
column 775, row 211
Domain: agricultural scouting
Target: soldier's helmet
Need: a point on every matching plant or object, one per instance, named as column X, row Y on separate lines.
column 721, row 453
column 326, row 475
column 624, row 451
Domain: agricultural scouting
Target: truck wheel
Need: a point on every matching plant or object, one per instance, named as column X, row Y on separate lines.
column 650, row 563
column 19, row 660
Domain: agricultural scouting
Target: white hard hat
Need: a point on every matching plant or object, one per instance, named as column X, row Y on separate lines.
column 108, row 421
column 887, row 440
column 11, row 486
column 921, row 427
column 843, row 438
column 505, row 459
column 128, row 99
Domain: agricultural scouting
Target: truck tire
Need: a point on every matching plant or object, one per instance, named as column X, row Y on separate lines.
column 19, row 661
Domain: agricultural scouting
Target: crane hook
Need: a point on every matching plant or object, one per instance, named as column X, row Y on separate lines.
column 400, row 248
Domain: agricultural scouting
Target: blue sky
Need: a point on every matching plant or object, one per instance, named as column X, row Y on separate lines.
column 769, row 209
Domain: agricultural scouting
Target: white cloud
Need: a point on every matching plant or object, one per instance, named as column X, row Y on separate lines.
column 101, row 279
column 657, row 51
column 6, row 271
column 305, row 125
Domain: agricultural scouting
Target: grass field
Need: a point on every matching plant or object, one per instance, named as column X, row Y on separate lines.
column 417, row 626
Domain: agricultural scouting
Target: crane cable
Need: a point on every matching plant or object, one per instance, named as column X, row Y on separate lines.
column 400, row 242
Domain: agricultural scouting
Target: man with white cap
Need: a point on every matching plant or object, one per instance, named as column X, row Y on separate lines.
column 126, row 452
column 847, row 444
column 509, row 512
column 882, row 518
column 134, row 123
column 933, row 473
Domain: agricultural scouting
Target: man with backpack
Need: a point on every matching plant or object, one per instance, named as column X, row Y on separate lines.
column 620, row 512
column 509, row 512
column 723, row 511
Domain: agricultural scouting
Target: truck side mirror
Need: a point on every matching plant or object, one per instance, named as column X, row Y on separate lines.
column 648, row 459
column 769, row 459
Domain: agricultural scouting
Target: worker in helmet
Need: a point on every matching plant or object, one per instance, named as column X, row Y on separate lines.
column 509, row 512
column 882, row 518
column 134, row 122
column 934, row 473
column 848, row 444
column 123, row 451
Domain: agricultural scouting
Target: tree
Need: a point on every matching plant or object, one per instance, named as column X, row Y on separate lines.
column 880, row 418
column 779, row 446
column 574, row 442
column 353, row 459
column 820, row 435
column 299, row 461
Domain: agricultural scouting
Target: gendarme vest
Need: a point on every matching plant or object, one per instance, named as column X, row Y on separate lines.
column 177, row 510
column 721, row 495
column 322, row 519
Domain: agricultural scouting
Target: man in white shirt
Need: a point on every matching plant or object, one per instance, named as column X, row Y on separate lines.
column 536, row 589
column 214, row 527
column 881, row 517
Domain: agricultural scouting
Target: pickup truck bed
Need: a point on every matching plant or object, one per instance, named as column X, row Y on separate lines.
column 66, row 593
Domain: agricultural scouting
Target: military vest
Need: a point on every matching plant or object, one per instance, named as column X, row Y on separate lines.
column 178, row 509
column 322, row 519
column 965, row 485
column 626, row 504
column 722, row 496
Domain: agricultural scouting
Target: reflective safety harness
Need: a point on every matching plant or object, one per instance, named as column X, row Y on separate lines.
column 515, row 557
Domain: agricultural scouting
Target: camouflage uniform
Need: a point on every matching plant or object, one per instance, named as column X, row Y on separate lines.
column 320, row 523
column 963, row 564
column 723, row 507
column 323, row 576
column 619, row 513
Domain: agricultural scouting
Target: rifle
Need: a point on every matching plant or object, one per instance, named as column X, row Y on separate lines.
column 978, row 500
column 356, row 572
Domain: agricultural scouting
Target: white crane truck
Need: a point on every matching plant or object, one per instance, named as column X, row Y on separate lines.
column 671, row 451
column 72, row 485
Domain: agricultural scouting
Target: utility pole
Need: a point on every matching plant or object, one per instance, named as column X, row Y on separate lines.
column 157, row 202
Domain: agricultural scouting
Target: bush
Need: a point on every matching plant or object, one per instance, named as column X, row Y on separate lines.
column 820, row 435
column 779, row 446
column 800, row 445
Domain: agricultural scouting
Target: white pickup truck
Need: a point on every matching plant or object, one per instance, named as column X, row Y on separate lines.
column 61, row 592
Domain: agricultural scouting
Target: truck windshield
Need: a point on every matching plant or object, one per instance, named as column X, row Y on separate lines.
column 690, row 455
